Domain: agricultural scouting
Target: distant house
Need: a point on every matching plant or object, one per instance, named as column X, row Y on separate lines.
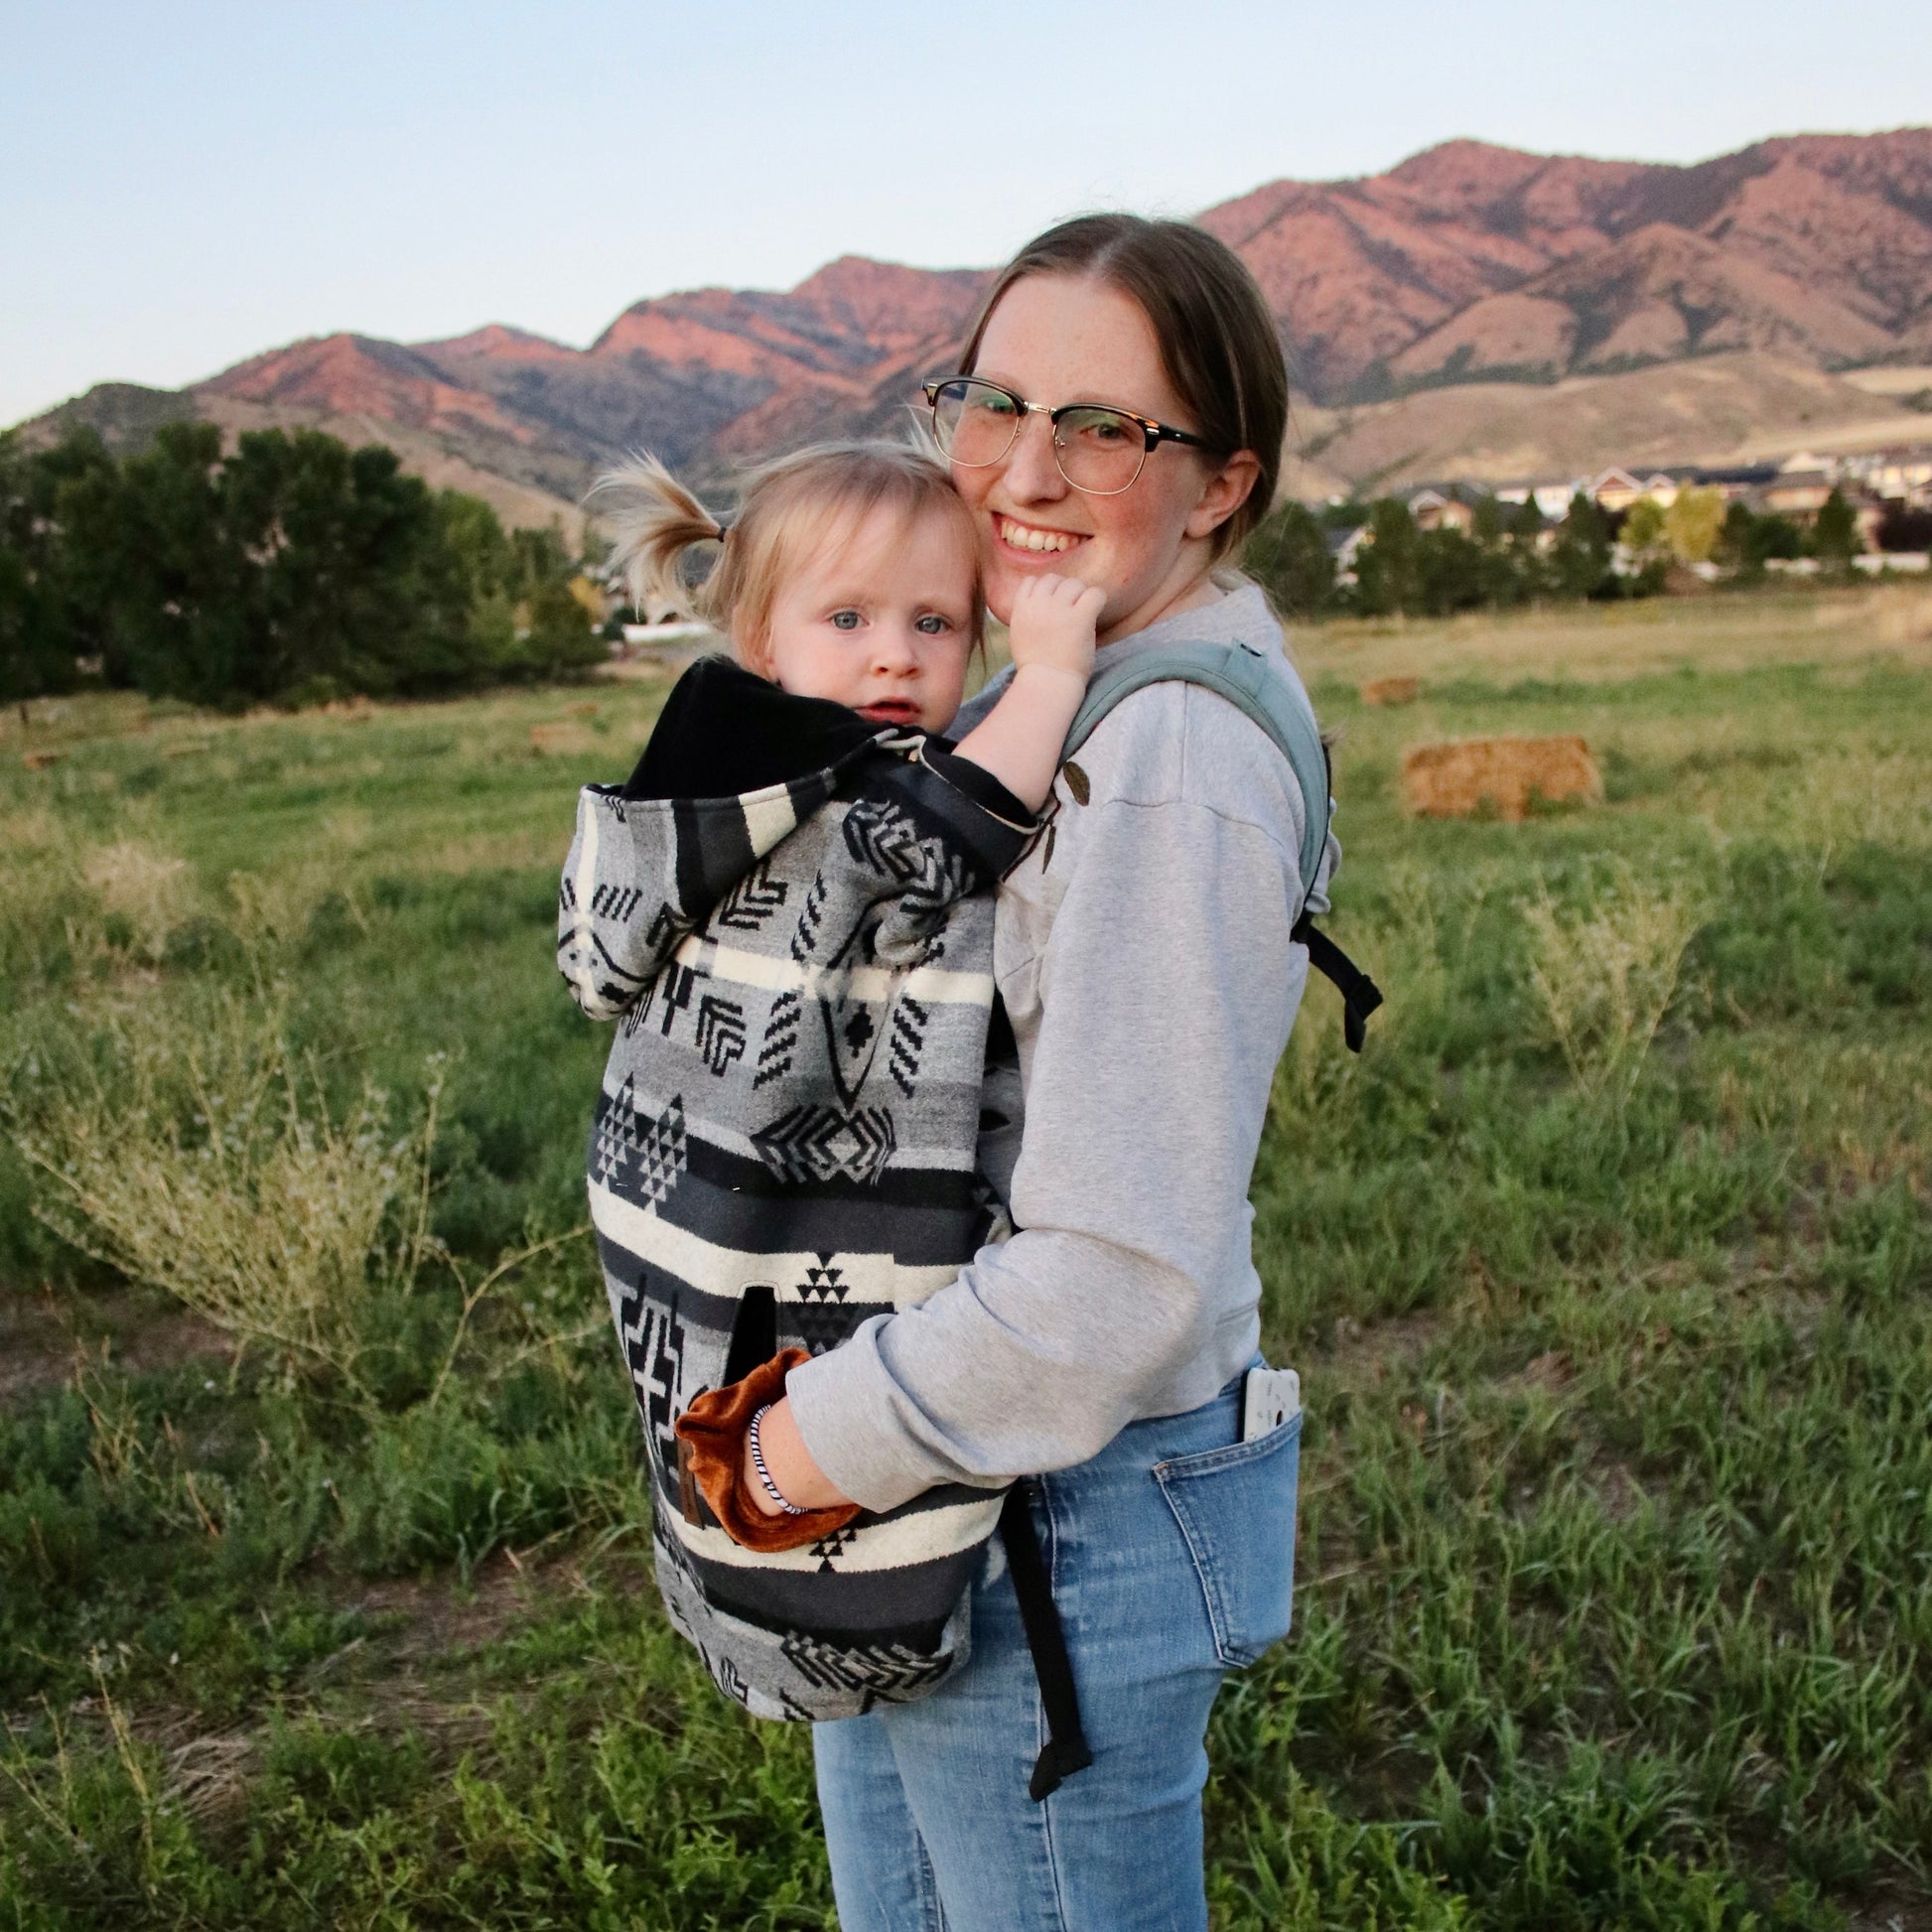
column 1442, row 509
column 1615, row 490
column 1343, row 548
column 1798, row 492
column 1902, row 473
column 1553, row 500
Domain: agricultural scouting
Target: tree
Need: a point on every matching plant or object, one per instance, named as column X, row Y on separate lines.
column 1289, row 556
column 526, row 620
column 1643, row 531
column 149, row 542
column 1387, row 575
column 1835, row 537
column 1693, row 523
column 46, row 623
column 1747, row 540
column 1451, row 574
column 1579, row 559
column 1904, row 528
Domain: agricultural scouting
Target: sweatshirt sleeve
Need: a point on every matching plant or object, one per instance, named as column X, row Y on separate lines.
column 1167, row 987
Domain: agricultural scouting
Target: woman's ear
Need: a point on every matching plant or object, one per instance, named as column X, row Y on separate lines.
column 1228, row 489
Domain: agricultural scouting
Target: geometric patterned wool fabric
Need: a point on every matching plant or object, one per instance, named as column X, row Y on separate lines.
column 783, row 1148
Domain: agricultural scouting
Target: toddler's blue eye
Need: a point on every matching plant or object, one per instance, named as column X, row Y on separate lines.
column 845, row 619
column 933, row 624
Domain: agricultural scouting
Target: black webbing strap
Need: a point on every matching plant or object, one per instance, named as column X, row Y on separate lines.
column 1360, row 994
column 1066, row 1750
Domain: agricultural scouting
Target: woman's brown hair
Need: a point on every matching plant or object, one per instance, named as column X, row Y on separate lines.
column 1218, row 342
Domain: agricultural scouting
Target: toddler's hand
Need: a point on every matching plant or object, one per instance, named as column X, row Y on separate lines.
column 1054, row 623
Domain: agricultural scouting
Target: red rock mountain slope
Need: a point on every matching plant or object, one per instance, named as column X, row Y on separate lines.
column 1467, row 263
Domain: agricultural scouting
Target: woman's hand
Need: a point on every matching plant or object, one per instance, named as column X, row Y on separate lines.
column 800, row 1478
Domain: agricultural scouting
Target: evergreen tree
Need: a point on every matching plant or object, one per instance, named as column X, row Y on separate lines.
column 1579, row 559
column 1835, row 537
column 1387, row 571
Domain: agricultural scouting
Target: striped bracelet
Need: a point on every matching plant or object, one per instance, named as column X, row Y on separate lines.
column 771, row 1489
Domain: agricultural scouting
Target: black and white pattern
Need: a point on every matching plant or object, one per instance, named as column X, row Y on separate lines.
column 793, row 1098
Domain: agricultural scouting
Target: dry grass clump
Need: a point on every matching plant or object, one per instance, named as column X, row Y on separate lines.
column 273, row 909
column 150, row 891
column 495, row 851
column 1507, row 774
column 1606, row 977
column 1903, row 616
column 1841, row 801
column 193, row 1152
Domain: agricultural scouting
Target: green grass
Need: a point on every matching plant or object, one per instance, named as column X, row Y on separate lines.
column 1616, row 1604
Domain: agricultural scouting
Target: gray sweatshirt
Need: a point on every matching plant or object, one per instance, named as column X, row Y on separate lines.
column 1143, row 954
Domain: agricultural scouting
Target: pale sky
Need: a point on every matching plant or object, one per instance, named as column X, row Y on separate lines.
column 182, row 186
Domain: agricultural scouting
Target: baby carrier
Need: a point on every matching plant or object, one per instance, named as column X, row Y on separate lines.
column 783, row 1147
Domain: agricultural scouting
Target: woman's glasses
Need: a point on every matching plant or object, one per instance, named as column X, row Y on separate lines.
column 1099, row 449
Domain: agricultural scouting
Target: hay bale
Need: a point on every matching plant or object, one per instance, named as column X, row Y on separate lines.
column 1455, row 781
column 1392, row 690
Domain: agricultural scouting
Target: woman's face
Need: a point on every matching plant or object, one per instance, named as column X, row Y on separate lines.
column 1057, row 338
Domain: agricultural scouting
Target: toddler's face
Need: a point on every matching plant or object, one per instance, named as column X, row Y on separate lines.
column 882, row 622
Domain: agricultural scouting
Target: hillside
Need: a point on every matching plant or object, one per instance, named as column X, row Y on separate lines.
column 1467, row 268
column 1708, row 410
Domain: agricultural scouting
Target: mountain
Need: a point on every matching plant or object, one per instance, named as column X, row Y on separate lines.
column 1521, row 274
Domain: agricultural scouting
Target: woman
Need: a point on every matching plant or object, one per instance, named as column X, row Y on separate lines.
column 1144, row 958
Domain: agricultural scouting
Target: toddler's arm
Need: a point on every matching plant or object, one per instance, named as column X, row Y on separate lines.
column 1018, row 741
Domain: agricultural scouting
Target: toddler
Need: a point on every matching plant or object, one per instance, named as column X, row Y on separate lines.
column 788, row 907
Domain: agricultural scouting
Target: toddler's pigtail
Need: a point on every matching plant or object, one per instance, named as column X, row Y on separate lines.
column 654, row 521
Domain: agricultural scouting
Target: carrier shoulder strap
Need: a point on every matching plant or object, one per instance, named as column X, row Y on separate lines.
column 1249, row 680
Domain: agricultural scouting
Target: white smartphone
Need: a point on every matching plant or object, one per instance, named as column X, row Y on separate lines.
column 1270, row 1397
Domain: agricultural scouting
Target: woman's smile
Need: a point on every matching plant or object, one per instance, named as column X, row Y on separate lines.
column 1033, row 539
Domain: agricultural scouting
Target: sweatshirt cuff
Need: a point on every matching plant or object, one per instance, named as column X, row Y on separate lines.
column 967, row 806
column 847, row 1410
column 979, row 785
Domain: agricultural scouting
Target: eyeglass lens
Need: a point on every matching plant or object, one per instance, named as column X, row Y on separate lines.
column 1099, row 450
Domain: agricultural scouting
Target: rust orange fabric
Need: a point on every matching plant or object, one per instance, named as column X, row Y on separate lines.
column 711, row 1451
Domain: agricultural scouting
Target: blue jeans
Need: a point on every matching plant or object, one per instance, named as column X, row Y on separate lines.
column 1172, row 1559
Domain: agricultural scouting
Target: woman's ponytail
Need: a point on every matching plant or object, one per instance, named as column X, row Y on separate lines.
column 654, row 521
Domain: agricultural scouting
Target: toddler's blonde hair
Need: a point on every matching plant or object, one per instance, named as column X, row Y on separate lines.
column 788, row 508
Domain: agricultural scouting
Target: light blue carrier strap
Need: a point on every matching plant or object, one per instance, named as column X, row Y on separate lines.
column 1250, row 682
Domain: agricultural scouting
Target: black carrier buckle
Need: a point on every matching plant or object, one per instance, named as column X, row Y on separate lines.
column 1360, row 994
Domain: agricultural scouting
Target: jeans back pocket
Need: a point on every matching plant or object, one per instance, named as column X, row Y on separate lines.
column 1236, row 1510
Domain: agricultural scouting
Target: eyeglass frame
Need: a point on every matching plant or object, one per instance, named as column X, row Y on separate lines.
column 1153, row 431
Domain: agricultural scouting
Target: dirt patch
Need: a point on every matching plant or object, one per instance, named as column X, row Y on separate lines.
column 42, row 1337
column 1367, row 1354
column 433, row 1619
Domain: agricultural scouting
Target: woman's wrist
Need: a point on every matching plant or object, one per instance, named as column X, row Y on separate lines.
column 789, row 1466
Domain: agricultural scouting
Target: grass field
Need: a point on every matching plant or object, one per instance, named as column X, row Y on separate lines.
column 1608, row 1267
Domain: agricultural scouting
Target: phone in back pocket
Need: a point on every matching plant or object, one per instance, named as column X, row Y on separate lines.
column 1270, row 1397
